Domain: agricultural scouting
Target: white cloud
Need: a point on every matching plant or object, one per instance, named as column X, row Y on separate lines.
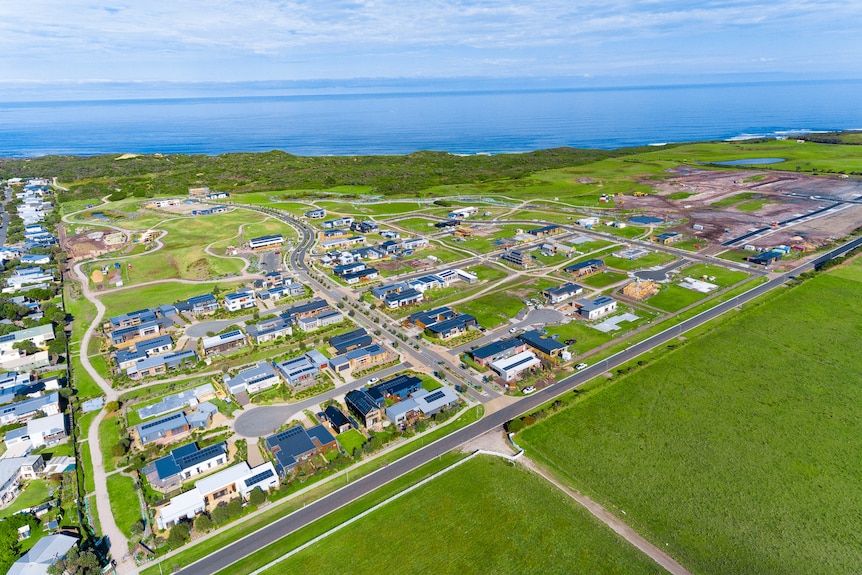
column 86, row 37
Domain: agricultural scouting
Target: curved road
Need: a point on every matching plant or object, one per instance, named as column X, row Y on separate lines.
column 300, row 518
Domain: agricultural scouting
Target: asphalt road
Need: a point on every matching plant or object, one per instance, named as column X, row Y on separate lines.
column 271, row 533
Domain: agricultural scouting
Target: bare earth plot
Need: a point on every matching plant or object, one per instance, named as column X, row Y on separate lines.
column 737, row 452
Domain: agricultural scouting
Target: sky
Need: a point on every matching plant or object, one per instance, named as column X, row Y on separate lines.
column 611, row 41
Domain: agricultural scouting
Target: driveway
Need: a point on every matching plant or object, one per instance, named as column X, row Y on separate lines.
column 659, row 275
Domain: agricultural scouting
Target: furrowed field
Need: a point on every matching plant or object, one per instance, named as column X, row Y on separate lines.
column 739, row 451
column 486, row 516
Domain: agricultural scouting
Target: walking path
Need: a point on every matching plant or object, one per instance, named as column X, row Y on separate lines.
column 612, row 521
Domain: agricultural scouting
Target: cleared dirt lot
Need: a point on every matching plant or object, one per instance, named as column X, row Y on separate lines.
column 753, row 199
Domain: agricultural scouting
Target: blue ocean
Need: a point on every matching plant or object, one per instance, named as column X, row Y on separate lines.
column 460, row 122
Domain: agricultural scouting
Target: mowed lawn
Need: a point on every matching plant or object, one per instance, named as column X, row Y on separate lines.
column 126, row 300
column 500, row 306
column 739, row 450
column 485, row 516
column 125, row 504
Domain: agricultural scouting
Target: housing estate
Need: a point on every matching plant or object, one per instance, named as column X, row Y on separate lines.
column 586, row 268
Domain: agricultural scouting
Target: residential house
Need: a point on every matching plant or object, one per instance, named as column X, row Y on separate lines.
column 268, row 330
column 404, row 298
column 202, row 416
column 239, row 479
column 561, row 293
column 414, row 244
column 351, row 340
column 258, row 378
column 586, row 268
column 453, row 327
column 545, row 346
column 44, row 554
column 127, row 336
column 596, row 308
column 518, row 257
column 422, row 404
column 266, row 242
column 316, row 213
column 30, row 408
column 497, row 350
column 336, row 418
column 163, row 428
column 338, row 222
column 126, row 358
column 296, row 445
column 223, row 343
column 158, row 364
column 545, row 231
column 182, row 463
column 667, row 238
column 322, row 319
column 364, row 408
column 363, row 357
column 13, row 471
column 205, row 303
column 511, row 367
column 361, row 276
column 398, row 387
column 308, row 309
column 302, row 370
column 423, row 319
column 239, row 300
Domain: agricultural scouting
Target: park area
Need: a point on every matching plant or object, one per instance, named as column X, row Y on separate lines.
column 485, row 516
column 732, row 450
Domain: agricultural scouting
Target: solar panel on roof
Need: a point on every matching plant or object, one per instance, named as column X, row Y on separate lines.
column 265, row 474
column 202, row 455
column 434, row 396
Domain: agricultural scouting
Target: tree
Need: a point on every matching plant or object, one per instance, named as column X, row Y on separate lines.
column 9, row 548
column 203, row 523
column 234, row 508
column 76, row 562
column 137, row 527
column 220, row 514
column 27, row 347
column 112, row 406
column 179, row 534
column 257, row 496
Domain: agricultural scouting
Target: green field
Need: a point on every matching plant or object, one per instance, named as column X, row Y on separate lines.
column 439, row 527
column 125, row 505
column 673, row 298
column 498, row 307
column 126, row 300
column 735, row 448
column 723, row 277
column 647, row 261
column 109, row 436
column 603, row 279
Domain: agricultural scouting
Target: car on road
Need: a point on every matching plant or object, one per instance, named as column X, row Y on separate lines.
column 513, row 330
column 581, row 366
column 529, row 389
column 373, row 380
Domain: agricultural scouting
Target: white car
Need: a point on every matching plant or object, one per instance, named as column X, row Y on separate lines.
column 513, row 330
column 373, row 380
column 529, row 389
column 581, row 366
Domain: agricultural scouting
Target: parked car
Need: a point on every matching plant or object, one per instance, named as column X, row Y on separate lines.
column 529, row 389
column 513, row 330
column 373, row 380
column 581, row 366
